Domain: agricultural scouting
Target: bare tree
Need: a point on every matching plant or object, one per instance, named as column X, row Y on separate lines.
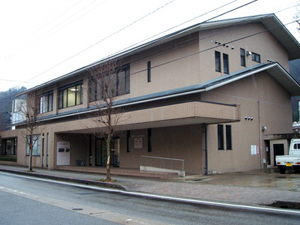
column 106, row 82
column 29, row 111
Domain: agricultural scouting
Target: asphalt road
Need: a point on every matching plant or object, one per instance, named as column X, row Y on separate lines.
column 29, row 201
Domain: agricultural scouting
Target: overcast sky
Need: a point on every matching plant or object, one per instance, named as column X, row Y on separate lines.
column 44, row 39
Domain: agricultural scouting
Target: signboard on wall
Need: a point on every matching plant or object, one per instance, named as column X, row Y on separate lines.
column 63, row 153
column 254, row 150
column 138, row 143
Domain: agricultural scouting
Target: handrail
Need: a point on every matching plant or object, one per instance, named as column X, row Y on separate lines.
column 161, row 159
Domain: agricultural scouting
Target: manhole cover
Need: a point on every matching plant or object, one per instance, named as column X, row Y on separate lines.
column 77, row 209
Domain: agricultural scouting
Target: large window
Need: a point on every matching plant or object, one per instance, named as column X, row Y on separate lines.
column 113, row 84
column 218, row 60
column 9, row 146
column 46, row 102
column 70, row 95
column 36, row 141
column 224, row 137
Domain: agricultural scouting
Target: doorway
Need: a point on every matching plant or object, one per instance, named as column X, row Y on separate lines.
column 278, row 150
column 101, row 152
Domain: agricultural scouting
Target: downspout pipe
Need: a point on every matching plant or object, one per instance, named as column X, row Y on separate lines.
column 205, row 149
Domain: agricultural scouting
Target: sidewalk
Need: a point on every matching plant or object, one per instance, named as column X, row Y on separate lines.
column 256, row 188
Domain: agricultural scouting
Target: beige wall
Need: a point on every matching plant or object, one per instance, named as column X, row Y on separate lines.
column 260, row 97
column 264, row 44
column 181, row 142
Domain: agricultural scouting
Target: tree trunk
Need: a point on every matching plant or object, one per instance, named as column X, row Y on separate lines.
column 30, row 157
column 108, row 177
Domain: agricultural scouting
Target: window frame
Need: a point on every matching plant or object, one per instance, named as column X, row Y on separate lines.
column 228, row 137
column 36, row 151
column 220, row 137
column 243, row 57
column 218, row 61
column 46, row 102
column 120, row 79
column 226, row 63
column 149, row 71
column 63, row 94
column 256, row 57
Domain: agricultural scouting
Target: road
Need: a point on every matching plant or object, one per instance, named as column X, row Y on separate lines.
column 25, row 200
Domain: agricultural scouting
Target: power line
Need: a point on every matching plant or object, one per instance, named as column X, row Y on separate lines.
column 109, row 36
column 202, row 50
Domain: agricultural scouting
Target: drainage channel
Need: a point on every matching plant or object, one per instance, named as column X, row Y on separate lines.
column 286, row 205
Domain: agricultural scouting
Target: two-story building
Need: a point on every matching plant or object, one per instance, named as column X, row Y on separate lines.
column 210, row 97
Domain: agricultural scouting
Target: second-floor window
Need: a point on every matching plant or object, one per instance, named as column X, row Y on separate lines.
column 225, row 63
column 218, row 61
column 114, row 84
column 46, row 102
column 70, row 95
column 243, row 57
column 255, row 57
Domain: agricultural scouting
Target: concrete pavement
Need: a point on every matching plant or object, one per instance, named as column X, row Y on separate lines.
column 251, row 188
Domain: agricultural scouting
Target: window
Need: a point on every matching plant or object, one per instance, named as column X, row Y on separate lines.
column 116, row 84
column 149, row 140
column 46, row 102
column 9, row 146
column 128, row 141
column 218, row 61
column 225, row 63
column 228, row 138
column 149, row 71
column 220, row 137
column 36, row 141
column 243, row 57
column 70, row 95
column 123, row 80
column 255, row 57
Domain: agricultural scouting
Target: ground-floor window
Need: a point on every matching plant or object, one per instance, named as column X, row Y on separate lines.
column 36, row 141
column 9, row 146
column 224, row 137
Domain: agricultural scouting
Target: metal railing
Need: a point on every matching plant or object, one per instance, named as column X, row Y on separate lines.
column 163, row 163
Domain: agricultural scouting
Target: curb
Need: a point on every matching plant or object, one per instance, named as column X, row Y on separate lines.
column 118, row 189
column 74, row 180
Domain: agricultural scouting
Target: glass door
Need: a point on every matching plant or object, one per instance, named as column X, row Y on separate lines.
column 101, row 152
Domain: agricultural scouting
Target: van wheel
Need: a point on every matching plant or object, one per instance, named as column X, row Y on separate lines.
column 282, row 169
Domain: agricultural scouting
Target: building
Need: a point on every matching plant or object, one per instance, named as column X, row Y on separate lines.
column 211, row 98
